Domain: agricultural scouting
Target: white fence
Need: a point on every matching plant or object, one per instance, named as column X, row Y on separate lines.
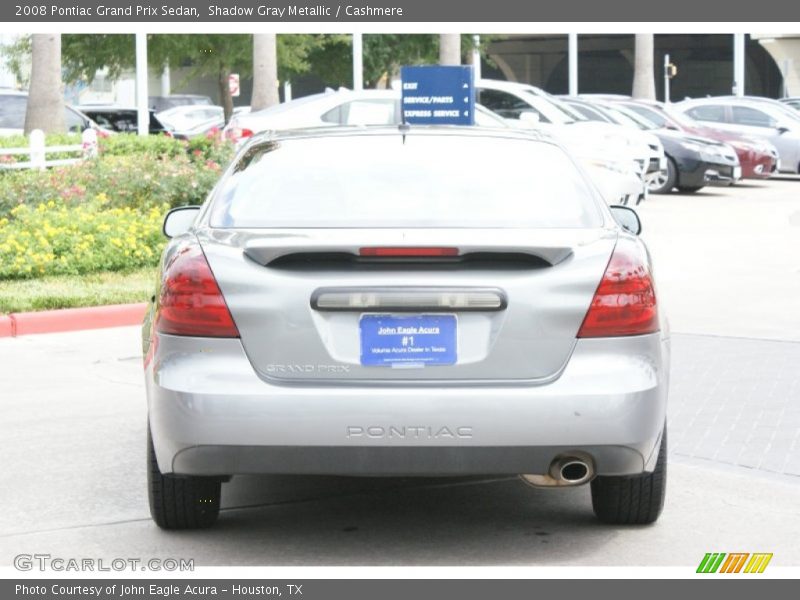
column 37, row 152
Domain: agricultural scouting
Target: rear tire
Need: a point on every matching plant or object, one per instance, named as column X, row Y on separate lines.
column 663, row 183
column 689, row 189
column 180, row 502
column 632, row 499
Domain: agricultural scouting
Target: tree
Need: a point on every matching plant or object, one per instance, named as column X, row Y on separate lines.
column 265, row 71
column 644, row 83
column 449, row 49
column 216, row 55
column 45, row 101
column 384, row 54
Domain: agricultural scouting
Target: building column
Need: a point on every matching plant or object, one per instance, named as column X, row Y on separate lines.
column 739, row 59
column 572, row 52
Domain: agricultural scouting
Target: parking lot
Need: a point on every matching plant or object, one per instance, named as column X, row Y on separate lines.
column 726, row 259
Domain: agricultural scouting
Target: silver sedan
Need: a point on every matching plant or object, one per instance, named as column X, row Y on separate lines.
column 406, row 301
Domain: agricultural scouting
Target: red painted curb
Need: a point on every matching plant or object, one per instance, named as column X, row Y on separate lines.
column 71, row 319
column 6, row 326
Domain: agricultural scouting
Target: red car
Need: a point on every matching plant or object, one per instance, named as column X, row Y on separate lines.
column 758, row 158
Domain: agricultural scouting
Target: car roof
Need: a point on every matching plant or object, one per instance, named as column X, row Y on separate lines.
column 767, row 107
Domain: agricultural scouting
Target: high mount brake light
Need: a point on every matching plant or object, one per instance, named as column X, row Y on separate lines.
column 191, row 302
column 407, row 252
column 625, row 301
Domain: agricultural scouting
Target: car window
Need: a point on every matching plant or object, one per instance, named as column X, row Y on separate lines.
column 75, row 123
column 12, row 112
column 709, row 112
column 370, row 112
column 589, row 112
column 334, row 116
column 506, row 105
column 744, row 115
column 651, row 115
column 404, row 181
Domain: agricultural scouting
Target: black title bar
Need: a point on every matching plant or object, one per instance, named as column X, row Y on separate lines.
column 398, row 11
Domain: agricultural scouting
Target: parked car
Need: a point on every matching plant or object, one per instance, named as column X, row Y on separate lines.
column 14, row 104
column 593, row 112
column 656, row 158
column 186, row 122
column 793, row 102
column 753, row 119
column 362, row 301
column 513, row 100
column 342, row 107
column 159, row 103
column 758, row 157
column 120, row 119
column 777, row 104
column 692, row 162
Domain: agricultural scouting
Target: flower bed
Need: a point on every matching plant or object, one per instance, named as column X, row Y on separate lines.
column 104, row 214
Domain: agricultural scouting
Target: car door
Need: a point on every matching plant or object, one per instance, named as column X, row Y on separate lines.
column 755, row 122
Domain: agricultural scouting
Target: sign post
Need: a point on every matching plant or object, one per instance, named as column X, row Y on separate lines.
column 233, row 84
column 438, row 95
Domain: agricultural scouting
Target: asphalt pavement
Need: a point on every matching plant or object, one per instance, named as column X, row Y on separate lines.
column 72, row 437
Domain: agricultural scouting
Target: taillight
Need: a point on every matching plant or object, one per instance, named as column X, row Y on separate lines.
column 625, row 301
column 191, row 302
column 236, row 134
column 407, row 252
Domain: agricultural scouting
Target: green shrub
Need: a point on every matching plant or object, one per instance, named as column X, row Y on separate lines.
column 52, row 139
column 129, row 143
column 135, row 180
column 201, row 148
column 51, row 239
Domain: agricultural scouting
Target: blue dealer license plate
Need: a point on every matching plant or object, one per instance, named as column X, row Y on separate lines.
column 408, row 340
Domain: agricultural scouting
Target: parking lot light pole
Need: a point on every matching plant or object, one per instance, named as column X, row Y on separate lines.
column 142, row 112
column 572, row 52
column 476, row 57
column 358, row 62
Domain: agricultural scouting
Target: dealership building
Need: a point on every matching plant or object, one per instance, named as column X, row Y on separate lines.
column 705, row 63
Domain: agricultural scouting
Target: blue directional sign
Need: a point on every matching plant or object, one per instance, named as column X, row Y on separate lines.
column 438, row 95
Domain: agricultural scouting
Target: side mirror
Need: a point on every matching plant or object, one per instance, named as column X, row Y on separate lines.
column 627, row 218
column 179, row 220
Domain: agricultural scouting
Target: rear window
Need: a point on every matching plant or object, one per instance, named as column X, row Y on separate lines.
column 420, row 181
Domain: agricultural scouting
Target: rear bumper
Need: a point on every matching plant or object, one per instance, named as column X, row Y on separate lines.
column 210, row 414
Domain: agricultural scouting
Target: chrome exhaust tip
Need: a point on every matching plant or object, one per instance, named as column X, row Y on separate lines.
column 564, row 471
column 574, row 471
